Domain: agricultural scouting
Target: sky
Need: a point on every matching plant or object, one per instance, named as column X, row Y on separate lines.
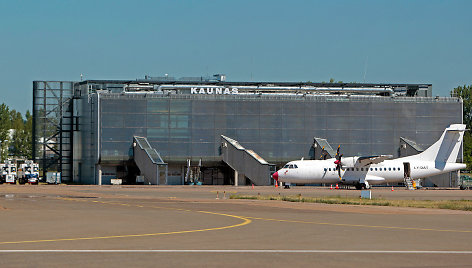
column 351, row 41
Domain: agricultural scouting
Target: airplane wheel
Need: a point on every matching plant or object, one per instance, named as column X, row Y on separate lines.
column 358, row 187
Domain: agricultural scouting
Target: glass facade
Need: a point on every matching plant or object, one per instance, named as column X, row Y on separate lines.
column 279, row 128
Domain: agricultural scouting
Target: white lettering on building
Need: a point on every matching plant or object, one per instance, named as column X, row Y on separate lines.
column 213, row 90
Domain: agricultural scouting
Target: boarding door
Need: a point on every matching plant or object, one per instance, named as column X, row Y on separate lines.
column 406, row 170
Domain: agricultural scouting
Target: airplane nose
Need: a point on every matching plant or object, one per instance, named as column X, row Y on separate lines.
column 275, row 176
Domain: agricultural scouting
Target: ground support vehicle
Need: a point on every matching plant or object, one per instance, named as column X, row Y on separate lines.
column 28, row 172
column 8, row 172
column 465, row 182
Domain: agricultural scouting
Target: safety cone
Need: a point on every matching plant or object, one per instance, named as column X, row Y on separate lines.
column 331, row 187
column 253, row 186
column 392, row 189
column 337, row 187
column 276, row 185
column 217, row 195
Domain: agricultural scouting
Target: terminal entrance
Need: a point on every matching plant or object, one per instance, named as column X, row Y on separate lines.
column 216, row 175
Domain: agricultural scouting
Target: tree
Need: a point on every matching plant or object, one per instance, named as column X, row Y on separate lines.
column 29, row 135
column 465, row 93
column 22, row 135
column 20, row 141
column 4, row 129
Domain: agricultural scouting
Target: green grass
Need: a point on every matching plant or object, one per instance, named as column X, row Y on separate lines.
column 437, row 204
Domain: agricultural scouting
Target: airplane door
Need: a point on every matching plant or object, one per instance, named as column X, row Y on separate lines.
column 406, row 170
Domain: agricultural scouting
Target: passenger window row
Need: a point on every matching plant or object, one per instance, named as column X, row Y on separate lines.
column 367, row 169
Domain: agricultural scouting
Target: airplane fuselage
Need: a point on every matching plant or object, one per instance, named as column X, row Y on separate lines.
column 388, row 171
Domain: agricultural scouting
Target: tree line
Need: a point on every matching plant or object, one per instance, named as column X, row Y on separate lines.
column 16, row 133
column 465, row 92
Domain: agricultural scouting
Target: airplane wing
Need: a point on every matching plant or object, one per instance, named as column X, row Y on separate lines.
column 373, row 159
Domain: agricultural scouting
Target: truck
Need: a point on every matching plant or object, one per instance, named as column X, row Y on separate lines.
column 8, row 172
column 28, row 172
column 465, row 182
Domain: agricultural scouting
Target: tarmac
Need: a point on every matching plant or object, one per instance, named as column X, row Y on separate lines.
column 186, row 226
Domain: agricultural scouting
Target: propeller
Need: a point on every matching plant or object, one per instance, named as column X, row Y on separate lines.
column 338, row 161
column 324, row 153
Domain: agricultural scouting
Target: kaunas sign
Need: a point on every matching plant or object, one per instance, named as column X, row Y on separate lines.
column 213, row 90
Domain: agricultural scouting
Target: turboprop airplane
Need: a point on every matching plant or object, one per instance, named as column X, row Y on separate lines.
column 364, row 171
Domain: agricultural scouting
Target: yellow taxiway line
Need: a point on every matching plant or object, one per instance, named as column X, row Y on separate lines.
column 362, row 225
column 246, row 221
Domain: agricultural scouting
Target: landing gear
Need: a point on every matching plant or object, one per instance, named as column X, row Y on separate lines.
column 361, row 186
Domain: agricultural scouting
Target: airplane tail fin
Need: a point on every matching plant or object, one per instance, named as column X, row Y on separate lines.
column 446, row 149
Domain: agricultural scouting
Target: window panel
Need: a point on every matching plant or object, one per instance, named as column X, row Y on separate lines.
column 157, row 106
column 203, row 121
column 158, row 133
column 178, row 121
column 180, row 106
column 157, row 120
column 179, row 134
column 112, row 120
column 134, row 120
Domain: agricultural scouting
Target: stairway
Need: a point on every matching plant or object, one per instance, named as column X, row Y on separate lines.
column 149, row 162
column 246, row 162
column 409, row 183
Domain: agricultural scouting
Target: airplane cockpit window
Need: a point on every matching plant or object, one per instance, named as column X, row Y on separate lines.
column 286, row 166
column 290, row 166
column 295, row 166
column 325, row 169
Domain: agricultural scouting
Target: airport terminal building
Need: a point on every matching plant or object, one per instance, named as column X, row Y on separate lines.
column 95, row 131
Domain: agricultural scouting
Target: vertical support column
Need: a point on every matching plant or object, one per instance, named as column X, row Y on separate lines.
column 99, row 167
column 236, row 178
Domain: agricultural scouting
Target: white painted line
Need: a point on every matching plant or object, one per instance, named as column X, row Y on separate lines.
column 231, row 251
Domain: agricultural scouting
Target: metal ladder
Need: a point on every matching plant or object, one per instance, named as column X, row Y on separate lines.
column 409, row 183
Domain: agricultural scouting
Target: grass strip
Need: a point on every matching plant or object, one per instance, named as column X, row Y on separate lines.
column 465, row 205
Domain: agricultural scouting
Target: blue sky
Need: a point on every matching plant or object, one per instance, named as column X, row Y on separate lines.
column 393, row 41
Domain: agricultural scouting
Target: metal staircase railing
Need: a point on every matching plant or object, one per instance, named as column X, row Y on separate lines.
column 246, row 162
column 149, row 162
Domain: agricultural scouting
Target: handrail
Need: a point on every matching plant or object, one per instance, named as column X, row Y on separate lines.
column 138, row 140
